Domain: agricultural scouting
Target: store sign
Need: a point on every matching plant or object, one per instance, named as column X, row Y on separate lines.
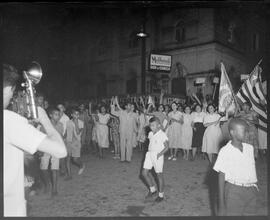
column 160, row 62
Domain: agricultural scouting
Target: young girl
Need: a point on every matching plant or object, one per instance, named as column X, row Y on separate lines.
column 198, row 129
column 212, row 135
column 175, row 131
column 102, row 130
column 187, row 132
column 135, row 132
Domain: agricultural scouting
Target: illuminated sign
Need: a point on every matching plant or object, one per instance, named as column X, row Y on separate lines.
column 160, row 62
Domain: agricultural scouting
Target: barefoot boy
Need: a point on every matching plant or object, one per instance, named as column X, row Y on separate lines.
column 237, row 173
column 155, row 158
column 73, row 141
column 54, row 115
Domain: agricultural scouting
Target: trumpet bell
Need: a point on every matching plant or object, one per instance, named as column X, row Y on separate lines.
column 34, row 72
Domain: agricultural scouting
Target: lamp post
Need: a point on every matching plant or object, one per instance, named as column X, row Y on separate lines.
column 142, row 34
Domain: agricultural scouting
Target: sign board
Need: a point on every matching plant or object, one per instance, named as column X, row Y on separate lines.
column 200, row 80
column 160, row 62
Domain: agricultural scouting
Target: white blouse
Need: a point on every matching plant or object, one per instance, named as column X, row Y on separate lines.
column 198, row 117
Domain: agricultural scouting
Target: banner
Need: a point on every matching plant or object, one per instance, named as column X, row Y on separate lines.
column 226, row 99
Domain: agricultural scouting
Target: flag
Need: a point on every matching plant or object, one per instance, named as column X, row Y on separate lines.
column 226, row 96
column 252, row 91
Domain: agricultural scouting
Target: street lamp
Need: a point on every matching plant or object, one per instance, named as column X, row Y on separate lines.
column 143, row 35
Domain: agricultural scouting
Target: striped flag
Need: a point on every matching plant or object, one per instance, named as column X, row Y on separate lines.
column 226, row 97
column 252, row 91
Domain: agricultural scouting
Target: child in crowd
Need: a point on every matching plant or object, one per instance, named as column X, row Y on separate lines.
column 54, row 115
column 73, row 142
column 187, row 132
column 135, row 132
column 102, row 130
column 212, row 135
column 175, row 131
column 63, row 119
column 114, row 126
column 155, row 158
column 237, row 173
column 141, row 130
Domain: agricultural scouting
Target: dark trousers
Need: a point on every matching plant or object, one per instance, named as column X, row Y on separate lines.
column 240, row 200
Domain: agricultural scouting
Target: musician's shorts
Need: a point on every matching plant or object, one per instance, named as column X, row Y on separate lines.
column 45, row 160
column 74, row 148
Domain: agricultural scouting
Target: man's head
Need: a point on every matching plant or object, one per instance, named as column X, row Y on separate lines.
column 54, row 114
column 61, row 108
column 237, row 129
column 75, row 113
column 10, row 79
column 246, row 106
column 154, row 124
column 128, row 106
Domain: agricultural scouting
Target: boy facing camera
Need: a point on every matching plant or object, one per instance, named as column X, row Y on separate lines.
column 237, row 173
column 155, row 158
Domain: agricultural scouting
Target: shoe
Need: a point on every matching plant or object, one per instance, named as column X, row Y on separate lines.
column 170, row 157
column 174, row 159
column 150, row 196
column 81, row 170
column 159, row 199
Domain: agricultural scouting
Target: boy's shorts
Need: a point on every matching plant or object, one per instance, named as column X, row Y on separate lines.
column 74, row 148
column 152, row 161
column 45, row 160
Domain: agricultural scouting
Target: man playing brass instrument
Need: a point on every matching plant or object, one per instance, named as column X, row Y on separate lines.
column 20, row 136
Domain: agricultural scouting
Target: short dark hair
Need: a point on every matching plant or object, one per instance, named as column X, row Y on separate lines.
column 247, row 103
column 74, row 109
column 236, row 121
column 53, row 109
column 211, row 104
column 102, row 105
column 10, row 76
column 154, row 119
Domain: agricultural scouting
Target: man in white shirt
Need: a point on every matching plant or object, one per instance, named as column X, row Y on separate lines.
column 20, row 136
column 237, row 173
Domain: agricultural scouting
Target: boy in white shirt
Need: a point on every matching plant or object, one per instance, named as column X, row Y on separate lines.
column 54, row 115
column 73, row 142
column 237, row 173
column 63, row 119
column 158, row 146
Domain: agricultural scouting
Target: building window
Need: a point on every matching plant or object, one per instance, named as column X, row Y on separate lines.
column 180, row 32
column 255, row 42
column 133, row 41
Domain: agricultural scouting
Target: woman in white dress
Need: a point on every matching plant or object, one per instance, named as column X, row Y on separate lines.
column 187, row 132
column 175, row 131
column 212, row 135
column 102, row 130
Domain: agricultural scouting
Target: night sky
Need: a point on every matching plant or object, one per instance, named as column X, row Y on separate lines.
column 47, row 32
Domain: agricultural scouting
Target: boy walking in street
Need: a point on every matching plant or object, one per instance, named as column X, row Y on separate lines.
column 158, row 146
column 237, row 173
column 54, row 115
column 73, row 142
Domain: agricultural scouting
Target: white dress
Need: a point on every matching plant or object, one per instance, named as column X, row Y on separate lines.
column 212, row 135
column 103, row 130
column 175, row 130
column 187, row 132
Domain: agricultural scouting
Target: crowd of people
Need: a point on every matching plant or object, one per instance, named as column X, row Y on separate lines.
column 193, row 131
column 68, row 130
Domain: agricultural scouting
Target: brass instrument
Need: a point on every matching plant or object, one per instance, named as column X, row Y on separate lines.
column 24, row 103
